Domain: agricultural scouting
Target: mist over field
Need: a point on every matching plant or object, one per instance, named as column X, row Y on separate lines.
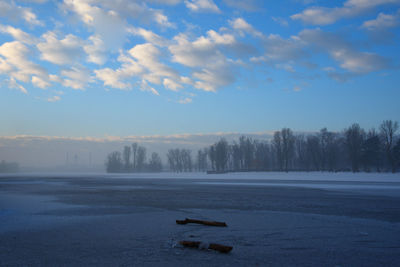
column 57, row 154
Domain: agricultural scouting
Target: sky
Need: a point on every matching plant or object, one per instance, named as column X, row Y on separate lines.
column 100, row 69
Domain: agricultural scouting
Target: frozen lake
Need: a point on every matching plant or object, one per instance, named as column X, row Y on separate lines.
column 275, row 219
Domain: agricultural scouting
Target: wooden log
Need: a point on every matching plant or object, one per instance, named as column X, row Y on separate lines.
column 213, row 246
column 209, row 223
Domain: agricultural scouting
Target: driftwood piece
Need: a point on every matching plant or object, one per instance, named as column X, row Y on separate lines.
column 209, row 223
column 213, row 246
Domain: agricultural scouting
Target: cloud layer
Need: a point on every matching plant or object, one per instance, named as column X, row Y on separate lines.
column 130, row 45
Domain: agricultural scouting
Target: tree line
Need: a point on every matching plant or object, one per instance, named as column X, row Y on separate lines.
column 354, row 149
column 133, row 159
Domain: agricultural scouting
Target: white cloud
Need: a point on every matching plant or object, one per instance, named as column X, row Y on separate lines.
column 106, row 23
column 108, row 18
column 186, row 100
column 8, row 9
column 171, row 84
column 112, row 78
column 140, row 62
column 35, row 1
column 144, row 86
column 221, row 39
column 347, row 55
column 39, row 82
column 61, row 52
column 201, row 52
column 243, row 26
column 96, row 51
column 211, row 68
column 279, row 49
column 137, row 10
column 317, row 15
column 214, row 77
column 18, row 34
column 15, row 85
column 382, row 21
column 165, row 2
column 248, row 5
column 162, row 20
column 54, row 98
column 147, row 56
column 202, row 6
column 76, row 78
column 149, row 36
column 14, row 62
column 281, row 21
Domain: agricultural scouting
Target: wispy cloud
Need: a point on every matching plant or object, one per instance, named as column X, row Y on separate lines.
column 318, row 15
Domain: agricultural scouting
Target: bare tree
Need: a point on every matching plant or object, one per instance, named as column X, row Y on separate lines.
column 302, row 157
column 314, row 151
column 236, row 156
column 155, row 163
column 134, row 156
column 221, row 155
column 278, row 148
column 186, row 158
column 127, row 155
column 212, row 155
column 332, row 151
column 261, row 155
column 173, row 159
column 114, row 162
column 371, row 151
column 141, row 158
column 202, row 160
column 287, row 147
column 354, row 139
column 388, row 130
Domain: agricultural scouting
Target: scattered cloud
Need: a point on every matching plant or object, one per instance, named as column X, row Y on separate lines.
column 133, row 44
column 15, row 63
column 186, row 100
column 149, row 36
column 317, row 15
column 76, row 77
column 280, row 50
column 96, row 50
column 18, row 34
column 249, row 5
column 281, row 21
column 243, row 27
column 11, row 11
column 39, row 82
column 202, row 6
column 13, row 84
column 54, row 98
column 144, row 86
column 211, row 68
column 112, row 78
column 60, row 51
column 382, row 21
column 345, row 53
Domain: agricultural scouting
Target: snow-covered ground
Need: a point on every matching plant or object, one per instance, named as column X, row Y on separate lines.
column 290, row 176
column 274, row 219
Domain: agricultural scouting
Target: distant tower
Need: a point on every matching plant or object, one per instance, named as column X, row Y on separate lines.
column 75, row 159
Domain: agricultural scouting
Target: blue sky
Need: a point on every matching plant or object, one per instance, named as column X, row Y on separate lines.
column 130, row 68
